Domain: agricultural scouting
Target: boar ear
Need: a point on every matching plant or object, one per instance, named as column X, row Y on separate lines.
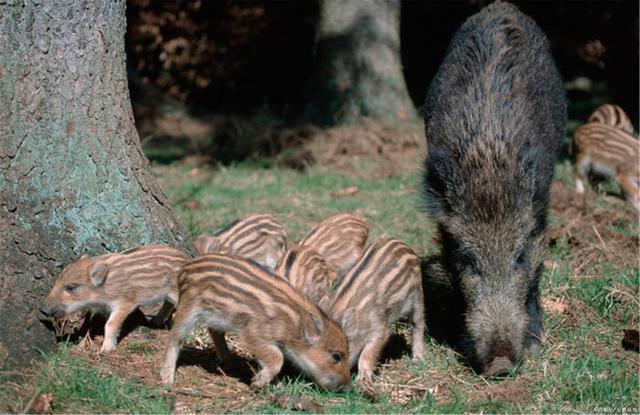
column 349, row 323
column 98, row 274
column 324, row 303
column 312, row 334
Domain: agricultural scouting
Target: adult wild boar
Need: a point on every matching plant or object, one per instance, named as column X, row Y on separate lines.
column 495, row 118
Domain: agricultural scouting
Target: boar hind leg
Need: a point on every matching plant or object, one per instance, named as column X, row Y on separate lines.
column 269, row 356
column 417, row 330
column 369, row 358
column 113, row 326
column 534, row 333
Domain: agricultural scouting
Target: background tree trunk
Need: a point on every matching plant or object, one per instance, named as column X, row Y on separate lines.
column 73, row 178
column 358, row 66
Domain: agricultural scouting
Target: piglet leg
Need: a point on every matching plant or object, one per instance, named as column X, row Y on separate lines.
column 113, row 326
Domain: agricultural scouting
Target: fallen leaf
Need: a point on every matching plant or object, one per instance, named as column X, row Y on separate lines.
column 194, row 204
column 347, row 191
column 554, row 306
column 295, row 404
column 42, row 404
column 194, row 172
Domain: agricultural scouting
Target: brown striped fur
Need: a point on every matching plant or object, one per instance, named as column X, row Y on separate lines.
column 270, row 318
column 117, row 284
column 384, row 286
column 613, row 116
column 611, row 152
column 308, row 271
column 340, row 239
column 257, row 237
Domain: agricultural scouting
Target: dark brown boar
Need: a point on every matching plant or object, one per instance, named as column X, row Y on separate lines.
column 495, row 118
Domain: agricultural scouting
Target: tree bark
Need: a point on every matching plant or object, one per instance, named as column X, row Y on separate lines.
column 73, row 178
column 358, row 66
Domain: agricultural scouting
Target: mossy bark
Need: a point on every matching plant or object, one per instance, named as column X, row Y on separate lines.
column 73, row 178
column 358, row 66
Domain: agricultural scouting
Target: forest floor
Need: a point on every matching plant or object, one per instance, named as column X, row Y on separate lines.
column 589, row 296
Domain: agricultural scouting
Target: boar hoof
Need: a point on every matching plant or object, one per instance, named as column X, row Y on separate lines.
column 532, row 351
column 500, row 366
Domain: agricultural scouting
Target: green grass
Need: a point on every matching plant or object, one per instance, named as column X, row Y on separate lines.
column 78, row 386
column 582, row 367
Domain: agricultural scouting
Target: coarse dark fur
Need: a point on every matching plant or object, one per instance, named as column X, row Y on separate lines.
column 495, row 118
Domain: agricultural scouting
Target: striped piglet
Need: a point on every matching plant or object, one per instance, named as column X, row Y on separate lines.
column 270, row 318
column 384, row 286
column 608, row 151
column 117, row 284
column 612, row 115
column 257, row 237
column 340, row 239
column 307, row 271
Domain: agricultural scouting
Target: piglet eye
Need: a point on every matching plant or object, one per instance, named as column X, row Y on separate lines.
column 337, row 357
column 71, row 288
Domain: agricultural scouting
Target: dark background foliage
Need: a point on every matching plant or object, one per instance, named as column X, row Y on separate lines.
column 235, row 56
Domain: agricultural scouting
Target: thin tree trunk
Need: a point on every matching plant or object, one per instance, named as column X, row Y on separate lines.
column 73, row 178
column 358, row 66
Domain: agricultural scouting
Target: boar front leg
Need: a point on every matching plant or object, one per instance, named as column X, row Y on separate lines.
column 114, row 324
column 534, row 333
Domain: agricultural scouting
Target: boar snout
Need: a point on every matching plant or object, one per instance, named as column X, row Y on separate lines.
column 497, row 327
column 500, row 366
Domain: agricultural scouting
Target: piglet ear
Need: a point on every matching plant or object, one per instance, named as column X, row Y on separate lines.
column 98, row 274
column 207, row 244
column 325, row 303
column 213, row 245
column 85, row 256
column 349, row 323
column 313, row 332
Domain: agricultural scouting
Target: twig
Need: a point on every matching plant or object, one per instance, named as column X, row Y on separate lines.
column 604, row 245
column 31, row 401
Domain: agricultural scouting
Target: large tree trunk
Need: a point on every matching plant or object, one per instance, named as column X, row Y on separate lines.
column 358, row 67
column 73, row 178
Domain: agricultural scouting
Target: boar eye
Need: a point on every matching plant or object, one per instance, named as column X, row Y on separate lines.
column 337, row 357
column 71, row 288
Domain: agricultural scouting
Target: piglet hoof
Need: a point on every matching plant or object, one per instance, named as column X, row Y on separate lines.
column 107, row 347
column 167, row 377
column 260, row 379
column 367, row 390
